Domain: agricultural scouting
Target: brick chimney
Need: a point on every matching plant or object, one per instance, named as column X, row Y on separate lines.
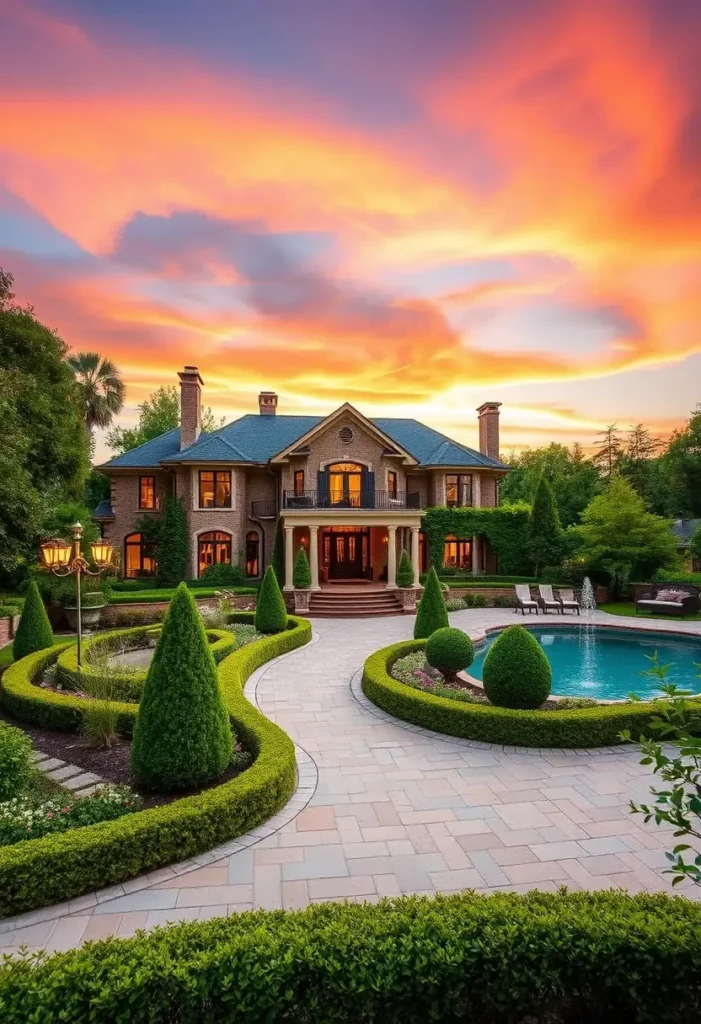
column 190, row 406
column 488, row 415
column 267, row 403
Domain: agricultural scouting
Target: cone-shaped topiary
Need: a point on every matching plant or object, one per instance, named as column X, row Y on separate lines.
column 271, row 614
column 405, row 572
column 432, row 613
column 34, row 631
column 516, row 671
column 449, row 650
column 182, row 735
column 302, row 574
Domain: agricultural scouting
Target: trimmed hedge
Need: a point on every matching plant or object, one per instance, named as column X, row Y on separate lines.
column 566, row 958
column 575, row 727
column 516, row 672
column 42, row 871
column 34, row 631
column 15, row 761
column 128, row 686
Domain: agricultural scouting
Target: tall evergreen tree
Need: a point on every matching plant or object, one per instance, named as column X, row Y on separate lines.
column 544, row 529
column 34, row 631
column 172, row 547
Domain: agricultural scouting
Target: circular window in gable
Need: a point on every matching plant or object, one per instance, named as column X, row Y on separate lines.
column 346, row 435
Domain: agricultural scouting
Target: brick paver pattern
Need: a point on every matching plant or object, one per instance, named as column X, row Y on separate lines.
column 395, row 810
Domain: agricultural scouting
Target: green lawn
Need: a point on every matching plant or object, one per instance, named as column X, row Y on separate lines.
column 6, row 656
column 165, row 594
column 628, row 608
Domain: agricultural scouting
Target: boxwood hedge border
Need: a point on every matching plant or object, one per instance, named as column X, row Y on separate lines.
column 505, row 957
column 572, row 728
column 59, row 867
column 128, row 686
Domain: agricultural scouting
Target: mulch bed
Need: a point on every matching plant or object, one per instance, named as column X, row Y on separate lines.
column 111, row 764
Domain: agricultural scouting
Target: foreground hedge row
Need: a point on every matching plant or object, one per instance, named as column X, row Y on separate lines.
column 580, row 727
column 579, row 958
column 42, row 871
column 127, row 686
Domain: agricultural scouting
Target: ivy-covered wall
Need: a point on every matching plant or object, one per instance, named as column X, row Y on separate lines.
column 504, row 527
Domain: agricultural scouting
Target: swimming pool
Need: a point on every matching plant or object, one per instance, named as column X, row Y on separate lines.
column 589, row 661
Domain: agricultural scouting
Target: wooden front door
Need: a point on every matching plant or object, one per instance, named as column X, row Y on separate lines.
column 347, row 554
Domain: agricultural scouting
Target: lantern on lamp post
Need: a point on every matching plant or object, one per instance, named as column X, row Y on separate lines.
column 65, row 559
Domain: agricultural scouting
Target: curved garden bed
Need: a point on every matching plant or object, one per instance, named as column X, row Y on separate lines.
column 59, row 867
column 126, row 685
column 574, row 727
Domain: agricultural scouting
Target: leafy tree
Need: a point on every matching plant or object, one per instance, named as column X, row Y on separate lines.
column 695, row 544
column 271, row 613
column 573, row 478
column 34, row 631
column 97, row 489
column 432, row 613
column 682, row 463
column 621, row 539
column 544, row 529
column 173, row 546
column 610, row 449
column 20, row 500
column 157, row 415
column 405, row 572
column 102, row 390
column 182, row 735
column 639, row 464
column 302, row 574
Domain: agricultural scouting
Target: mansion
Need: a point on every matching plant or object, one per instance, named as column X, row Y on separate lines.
column 350, row 489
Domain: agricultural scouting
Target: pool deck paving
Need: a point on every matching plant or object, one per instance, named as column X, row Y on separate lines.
column 385, row 808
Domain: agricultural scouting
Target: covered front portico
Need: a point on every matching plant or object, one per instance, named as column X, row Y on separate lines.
column 353, row 545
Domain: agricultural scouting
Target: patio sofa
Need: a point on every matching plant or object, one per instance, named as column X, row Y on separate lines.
column 669, row 599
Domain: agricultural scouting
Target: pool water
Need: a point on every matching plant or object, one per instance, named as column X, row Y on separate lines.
column 606, row 664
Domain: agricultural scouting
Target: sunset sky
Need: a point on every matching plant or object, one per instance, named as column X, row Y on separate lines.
column 413, row 205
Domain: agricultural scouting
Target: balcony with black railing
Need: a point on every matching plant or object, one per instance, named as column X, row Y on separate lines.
column 383, row 501
column 266, row 509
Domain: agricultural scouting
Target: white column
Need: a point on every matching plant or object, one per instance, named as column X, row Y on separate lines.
column 314, row 555
column 415, row 554
column 391, row 557
column 289, row 561
column 476, row 490
column 476, row 555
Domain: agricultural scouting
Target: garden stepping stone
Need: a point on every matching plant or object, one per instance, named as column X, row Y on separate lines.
column 67, row 772
column 50, row 764
column 38, row 755
column 79, row 782
column 71, row 776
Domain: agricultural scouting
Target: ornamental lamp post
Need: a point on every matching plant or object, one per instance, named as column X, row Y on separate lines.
column 65, row 559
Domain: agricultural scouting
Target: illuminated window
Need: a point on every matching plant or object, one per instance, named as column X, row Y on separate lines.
column 213, row 549
column 299, row 482
column 457, row 554
column 147, row 492
column 215, row 488
column 392, row 484
column 458, row 490
column 252, row 554
column 139, row 556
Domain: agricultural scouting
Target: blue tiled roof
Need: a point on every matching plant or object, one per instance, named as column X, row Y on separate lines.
column 148, row 454
column 684, row 530
column 104, row 509
column 256, row 438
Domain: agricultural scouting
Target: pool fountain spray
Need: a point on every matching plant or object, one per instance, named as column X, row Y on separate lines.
column 587, row 603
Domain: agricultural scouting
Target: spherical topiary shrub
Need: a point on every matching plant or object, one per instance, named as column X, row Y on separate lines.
column 432, row 613
column 271, row 613
column 516, row 671
column 449, row 650
column 15, row 763
column 34, row 631
column 182, row 735
column 302, row 574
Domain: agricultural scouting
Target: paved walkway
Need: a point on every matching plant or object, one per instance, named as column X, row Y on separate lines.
column 393, row 809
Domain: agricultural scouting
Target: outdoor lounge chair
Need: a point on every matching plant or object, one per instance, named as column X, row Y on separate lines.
column 568, row 601
column 524, row 600
column 546, row 599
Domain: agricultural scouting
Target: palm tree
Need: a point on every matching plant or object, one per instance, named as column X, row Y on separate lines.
column 102, row 390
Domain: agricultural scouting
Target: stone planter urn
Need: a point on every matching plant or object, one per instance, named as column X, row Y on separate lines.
column 407, row 598
column 90, row 616
column 302, row 599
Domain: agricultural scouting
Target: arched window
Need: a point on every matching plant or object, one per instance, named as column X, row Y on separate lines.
column 457, row 554
column 213, row 549
column 139, row 556
column 252, row 553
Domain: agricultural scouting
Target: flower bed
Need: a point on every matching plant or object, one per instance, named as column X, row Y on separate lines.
column 59, row 867
column 24, row 818
column 572, row 727
column 567, row 958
